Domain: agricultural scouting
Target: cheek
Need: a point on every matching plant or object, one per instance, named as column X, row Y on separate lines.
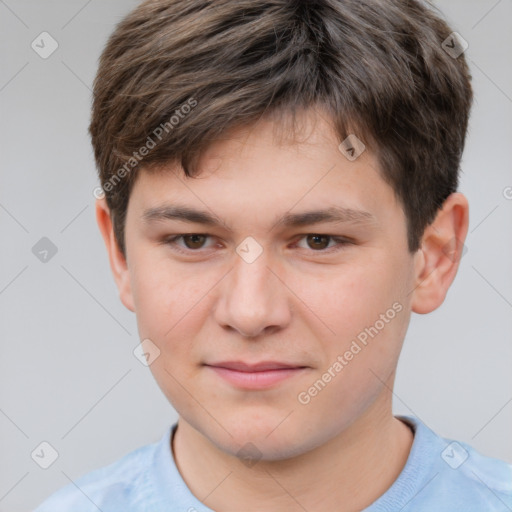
column 351, row 297
column 170, row 313
column 163, row 291
column 366, row 312
column 172, row 304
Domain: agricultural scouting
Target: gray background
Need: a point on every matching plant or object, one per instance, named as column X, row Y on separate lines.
column 68, row 375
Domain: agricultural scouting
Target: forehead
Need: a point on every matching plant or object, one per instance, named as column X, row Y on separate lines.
column 255, row 170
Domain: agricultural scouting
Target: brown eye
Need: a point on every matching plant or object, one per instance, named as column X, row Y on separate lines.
column 194, row 241
column 323, row 244
column 318, row 241
column 189, row 244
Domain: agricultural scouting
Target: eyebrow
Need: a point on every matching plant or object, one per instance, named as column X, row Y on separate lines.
column 332, row 214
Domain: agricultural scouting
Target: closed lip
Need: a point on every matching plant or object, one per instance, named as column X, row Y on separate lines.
column 262, row 366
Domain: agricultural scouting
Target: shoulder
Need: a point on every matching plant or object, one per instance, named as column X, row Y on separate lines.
column 486, row 476
column 111, row 488
column 455, row 476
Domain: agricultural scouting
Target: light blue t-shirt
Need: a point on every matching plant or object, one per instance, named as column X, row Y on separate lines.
column 440, row 475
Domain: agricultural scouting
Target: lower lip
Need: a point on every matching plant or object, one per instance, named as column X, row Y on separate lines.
column 256, row 380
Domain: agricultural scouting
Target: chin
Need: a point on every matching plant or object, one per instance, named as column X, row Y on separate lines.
column 264, row 439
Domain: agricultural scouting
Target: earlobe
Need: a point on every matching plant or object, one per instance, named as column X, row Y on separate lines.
column 438, row 259
column 117, row 260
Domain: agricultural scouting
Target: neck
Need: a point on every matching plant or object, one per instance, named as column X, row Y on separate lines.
column 348, row 473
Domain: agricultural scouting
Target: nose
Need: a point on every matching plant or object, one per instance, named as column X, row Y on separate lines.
column 253, row 300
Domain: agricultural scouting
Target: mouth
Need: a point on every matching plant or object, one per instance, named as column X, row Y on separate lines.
column 255, row 376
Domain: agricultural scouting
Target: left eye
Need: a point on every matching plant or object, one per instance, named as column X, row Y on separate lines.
column 318, row 242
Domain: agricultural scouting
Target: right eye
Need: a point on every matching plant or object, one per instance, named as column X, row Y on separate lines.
column 193, row 242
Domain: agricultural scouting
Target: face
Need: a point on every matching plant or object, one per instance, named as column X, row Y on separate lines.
column 274, row 325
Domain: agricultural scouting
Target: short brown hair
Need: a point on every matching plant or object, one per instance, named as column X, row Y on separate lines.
column 187, row 70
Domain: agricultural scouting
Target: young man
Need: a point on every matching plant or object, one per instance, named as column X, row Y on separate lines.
column 280, row 182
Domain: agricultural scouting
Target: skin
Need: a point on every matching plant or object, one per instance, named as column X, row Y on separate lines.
column 299, row 302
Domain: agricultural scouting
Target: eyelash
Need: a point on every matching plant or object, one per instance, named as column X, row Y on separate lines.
column 341, row 243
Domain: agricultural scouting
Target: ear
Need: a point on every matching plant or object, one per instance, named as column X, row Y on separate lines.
column 437, row 260
column 118, row 262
